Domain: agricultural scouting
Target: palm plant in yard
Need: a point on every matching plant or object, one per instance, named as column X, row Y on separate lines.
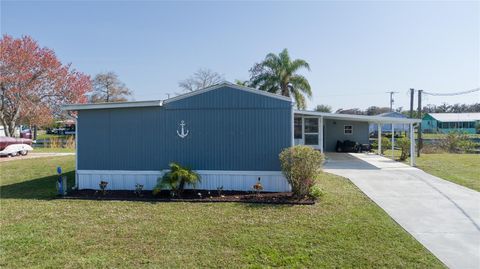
column 177, row 178
column 278, row 74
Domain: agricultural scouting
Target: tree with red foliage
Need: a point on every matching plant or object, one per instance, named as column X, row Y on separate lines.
column 34, row 83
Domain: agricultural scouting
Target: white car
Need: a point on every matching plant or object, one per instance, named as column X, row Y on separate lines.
column 10, row 146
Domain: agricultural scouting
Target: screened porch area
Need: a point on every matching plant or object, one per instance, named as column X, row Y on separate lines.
column 323, row 131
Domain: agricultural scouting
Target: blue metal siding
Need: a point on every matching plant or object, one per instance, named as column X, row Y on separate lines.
column 229, row 98
column 237, row 138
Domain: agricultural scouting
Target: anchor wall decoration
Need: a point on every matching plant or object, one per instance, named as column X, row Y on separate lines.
column 182, row 134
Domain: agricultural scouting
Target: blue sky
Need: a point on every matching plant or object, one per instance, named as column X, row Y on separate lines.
column 357, row 50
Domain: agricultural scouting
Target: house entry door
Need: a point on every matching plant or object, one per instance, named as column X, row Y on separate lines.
column 311, row 133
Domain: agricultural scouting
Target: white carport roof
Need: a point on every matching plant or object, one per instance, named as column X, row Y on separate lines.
column 350, row 117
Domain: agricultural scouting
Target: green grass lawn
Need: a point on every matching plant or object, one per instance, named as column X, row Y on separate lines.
column 463, row 169
column 43, row 136
column 442, row 136
column 345, row 229
column 48, row 150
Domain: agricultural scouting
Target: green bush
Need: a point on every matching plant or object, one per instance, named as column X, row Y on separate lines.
column 300, row 165
column 457, row 142
column 316, row 192
column 404, row 144
column 176, row 179
column 386, row 144
column 432, row 148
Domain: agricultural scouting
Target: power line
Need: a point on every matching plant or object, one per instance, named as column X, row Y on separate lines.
column 350, row 94
column 453, row 93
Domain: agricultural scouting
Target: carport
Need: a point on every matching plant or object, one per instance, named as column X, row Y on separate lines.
column 322, row 130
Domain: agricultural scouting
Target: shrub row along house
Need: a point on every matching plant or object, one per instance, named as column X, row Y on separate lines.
column 231, row 135
column 450, row 122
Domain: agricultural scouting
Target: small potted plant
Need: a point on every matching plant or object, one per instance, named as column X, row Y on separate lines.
column 103, row 187
column 138, row 190
column 258, row 187
column 220, row 191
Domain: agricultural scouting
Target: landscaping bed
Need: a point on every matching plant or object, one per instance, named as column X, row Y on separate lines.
column 204, row 196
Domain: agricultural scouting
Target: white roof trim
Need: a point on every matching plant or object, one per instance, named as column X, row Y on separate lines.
column 226, row 84
column 111, row 105
column 370, row 119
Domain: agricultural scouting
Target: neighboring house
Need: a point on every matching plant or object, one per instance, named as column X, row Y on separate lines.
column 387, row 128
column 450, row 122
column 231, row 135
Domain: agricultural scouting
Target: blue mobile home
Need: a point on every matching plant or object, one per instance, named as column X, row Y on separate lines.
column 450, row 122
column 387, row 128
column 229, row 134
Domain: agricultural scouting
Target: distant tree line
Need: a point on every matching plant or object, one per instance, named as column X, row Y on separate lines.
column 444, row 108
column 456, row 108
column 370, row 111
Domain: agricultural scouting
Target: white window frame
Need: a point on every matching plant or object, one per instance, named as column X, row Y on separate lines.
column 344, row 130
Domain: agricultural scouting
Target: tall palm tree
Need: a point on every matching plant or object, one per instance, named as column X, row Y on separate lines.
column 277, row 74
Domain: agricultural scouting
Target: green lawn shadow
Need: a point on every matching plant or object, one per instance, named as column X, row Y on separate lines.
column 39, row 188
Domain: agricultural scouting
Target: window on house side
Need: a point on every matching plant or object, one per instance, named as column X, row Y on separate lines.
column 348, row 129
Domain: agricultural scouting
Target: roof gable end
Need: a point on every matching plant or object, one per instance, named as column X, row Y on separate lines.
column 227, row 85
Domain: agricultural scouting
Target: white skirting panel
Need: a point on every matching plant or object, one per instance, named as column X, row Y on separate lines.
column 273, row 181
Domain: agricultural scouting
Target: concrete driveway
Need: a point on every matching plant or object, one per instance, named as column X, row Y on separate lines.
column 443, row 216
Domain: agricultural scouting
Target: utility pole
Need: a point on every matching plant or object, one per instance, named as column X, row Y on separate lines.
column 412, row 129
column 419, row 116
column 391, row 100
column 412, row 93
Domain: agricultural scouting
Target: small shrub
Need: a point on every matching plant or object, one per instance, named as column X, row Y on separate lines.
column 103, row 187
column 404, row 144
column 138, row 189
column 300, row 165
column 257, row 187
column 316, row 192
column 432, row 148
column 70, row 142
column 177, row 178
column 457, row 142
column 467, row 145
column 156, row 191
column 54, row 143
column 386, row 144
column 220, row 190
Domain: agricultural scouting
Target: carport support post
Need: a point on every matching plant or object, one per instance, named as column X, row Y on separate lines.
column 76, row 152
column 393, row 141
column 320, row 133
column 379, row 141
column 412, row 146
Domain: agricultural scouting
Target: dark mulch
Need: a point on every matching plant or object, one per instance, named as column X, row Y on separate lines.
column 193, row 196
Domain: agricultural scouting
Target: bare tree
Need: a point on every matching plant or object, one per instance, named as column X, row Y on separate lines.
column 108, row 88
column 201, row 79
